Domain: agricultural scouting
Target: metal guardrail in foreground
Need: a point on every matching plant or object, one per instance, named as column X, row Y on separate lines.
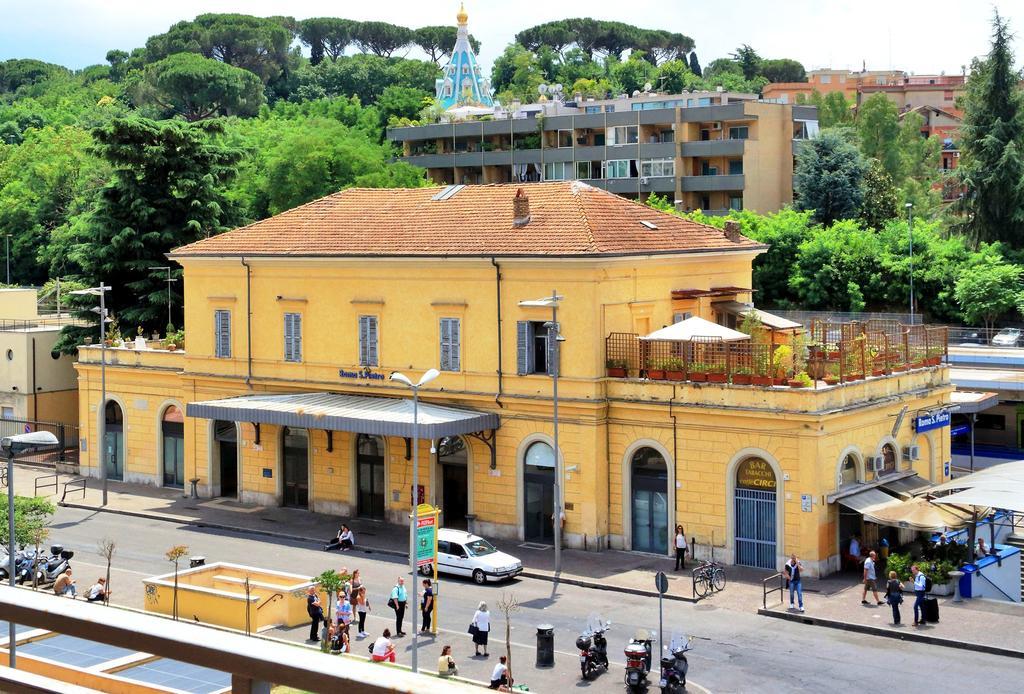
column 76, row 485
column 781, row 589
column 251, row 661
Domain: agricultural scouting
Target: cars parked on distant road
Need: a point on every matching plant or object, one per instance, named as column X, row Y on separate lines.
column 1007, row 337
column 465, row 554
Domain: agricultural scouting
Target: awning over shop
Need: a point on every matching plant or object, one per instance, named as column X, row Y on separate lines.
column 693, row 328
column 1007, row 500
column 1000, row 486
column 906, row 487
column 863, row 501
column 770, row 320
column 972, row 401
column 918, row 513
column 354, row 413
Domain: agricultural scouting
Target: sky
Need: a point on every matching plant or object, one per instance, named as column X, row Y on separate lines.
column 922, row 38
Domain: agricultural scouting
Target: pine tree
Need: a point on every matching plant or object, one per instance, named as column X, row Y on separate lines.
column 992, row 145
column 695, row 65
column 829, row 178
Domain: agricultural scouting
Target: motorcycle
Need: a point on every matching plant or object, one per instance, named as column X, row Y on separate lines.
column 22, row 564
column 638, row 661
column 593, row 647
column 49, row 568
column 675, row 666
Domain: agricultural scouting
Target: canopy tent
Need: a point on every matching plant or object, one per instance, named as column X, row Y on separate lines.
column 919, row 513
column 1005, row 476
column 694, row 328
column 993, row 498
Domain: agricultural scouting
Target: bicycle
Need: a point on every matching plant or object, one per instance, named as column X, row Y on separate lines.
column 708, row 577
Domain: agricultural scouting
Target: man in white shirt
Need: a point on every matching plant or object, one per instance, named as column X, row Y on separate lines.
column 869, row 580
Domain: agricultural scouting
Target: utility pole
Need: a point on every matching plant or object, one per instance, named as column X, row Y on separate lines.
column 170, row 280
column 910, row 234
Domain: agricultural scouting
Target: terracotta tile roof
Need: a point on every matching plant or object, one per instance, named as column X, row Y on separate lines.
column 566, row 219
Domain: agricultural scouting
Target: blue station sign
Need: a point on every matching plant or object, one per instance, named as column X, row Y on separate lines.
column 932, row 420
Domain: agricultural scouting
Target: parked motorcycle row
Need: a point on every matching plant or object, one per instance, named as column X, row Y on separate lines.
column 593, row 647
column 47, row 567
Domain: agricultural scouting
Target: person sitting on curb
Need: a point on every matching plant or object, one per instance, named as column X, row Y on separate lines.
column 383, row 648
column 446, row 664
column 65, row 585
column 98, row 591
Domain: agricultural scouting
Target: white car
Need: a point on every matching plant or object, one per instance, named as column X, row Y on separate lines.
column 466, row 554
column 1007, row 337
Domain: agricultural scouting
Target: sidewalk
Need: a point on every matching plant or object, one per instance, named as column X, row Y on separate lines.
column 980, row 625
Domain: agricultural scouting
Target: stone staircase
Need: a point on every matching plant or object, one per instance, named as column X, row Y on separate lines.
column 1018, row 541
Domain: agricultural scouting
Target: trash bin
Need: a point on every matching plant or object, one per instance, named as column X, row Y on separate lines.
column 545, row 645
column 193, row 562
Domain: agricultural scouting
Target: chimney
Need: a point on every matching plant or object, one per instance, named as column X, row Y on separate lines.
column 520, row 209
column 732, row 231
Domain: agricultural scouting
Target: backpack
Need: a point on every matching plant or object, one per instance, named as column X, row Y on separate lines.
column 927, row 584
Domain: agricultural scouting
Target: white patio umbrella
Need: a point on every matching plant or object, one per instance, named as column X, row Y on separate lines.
column 695, row 327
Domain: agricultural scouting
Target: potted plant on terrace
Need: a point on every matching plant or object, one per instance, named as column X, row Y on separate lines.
column 698, row 372
column 716, row 374
column 762, row 372
column 743, row 376
column 782, row 363
column 674, row 369
column 656, row 369
column 801, row 380
column 616, row 368
column 832, row 374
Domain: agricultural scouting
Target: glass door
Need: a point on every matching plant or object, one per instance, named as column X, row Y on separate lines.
column 370, row 476
column 296, row 468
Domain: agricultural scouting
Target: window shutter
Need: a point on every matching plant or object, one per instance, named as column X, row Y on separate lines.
column 222, row 330
column 446, row 341
column 371, row 341
column 551, row 340
column 297, row 336
column 455, row 344
column 523, row 347
column 364, row 340
column 288, row 337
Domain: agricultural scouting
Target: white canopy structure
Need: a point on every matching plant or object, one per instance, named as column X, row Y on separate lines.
column 694, row 328
column 1000, row 486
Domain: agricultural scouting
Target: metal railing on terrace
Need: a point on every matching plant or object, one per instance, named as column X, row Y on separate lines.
column 831, row 352
column 43, row 321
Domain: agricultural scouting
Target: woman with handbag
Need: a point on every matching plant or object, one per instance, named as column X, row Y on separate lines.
column 397, row 602
column 480, row 627
column 894, row 596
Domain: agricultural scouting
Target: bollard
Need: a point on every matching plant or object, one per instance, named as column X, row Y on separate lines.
column 195, row 483
column 545, row 645
column 193, row 562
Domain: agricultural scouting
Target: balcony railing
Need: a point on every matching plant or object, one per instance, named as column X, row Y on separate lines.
column 831, row 353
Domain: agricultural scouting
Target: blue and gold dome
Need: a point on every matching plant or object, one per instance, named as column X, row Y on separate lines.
column 462, row 82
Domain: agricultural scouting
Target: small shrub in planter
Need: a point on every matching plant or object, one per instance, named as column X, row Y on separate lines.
column 742, row 377
column 698, row 374
column 616, row 368
column 801, row 380
column 656, row 373
column 674, row 370
column 717, row 377
column 831, row 380
column 761, row 380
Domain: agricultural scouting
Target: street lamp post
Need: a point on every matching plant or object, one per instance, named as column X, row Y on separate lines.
column 554, row 340
column 424, row 380
column 12, row 446
column 101, row 292
column 170, row 280
column 910, row 235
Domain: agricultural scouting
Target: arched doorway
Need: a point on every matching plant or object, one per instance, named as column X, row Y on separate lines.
column 755, row 520
column 453, row 458
column 539, row 493
column 889, row 459
column 113, row 440
column 649, row 511
column 172, row 427
column 225, row 436
column 370, row 476
column 295, row 461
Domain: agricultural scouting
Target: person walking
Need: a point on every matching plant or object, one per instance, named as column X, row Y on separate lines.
column 427, row 605
column 920, row 588
column 482, row 622
column 362, row 607
column 870, row 579
column 446, row 663
column 397, row 602
column 383, row 649
column 794, row 569
column 680, row 548
column 315, row 612
column 894, row 596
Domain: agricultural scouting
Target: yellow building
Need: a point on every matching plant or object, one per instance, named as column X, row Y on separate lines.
column 294, row 324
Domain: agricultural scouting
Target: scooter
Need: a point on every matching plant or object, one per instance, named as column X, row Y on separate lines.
column 52, row 567
column 593, row 648
column 22, row 565
column 675, row 666
column 638, row 661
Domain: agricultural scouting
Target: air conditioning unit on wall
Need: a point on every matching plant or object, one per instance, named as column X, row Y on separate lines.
column 911, row 453
column 875, row 463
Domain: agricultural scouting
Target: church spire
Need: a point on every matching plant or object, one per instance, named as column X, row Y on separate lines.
column 462, row 82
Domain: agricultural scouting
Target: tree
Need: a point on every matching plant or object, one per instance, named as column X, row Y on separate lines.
column 508, row 604
column 118, row 64
column 365, row 76
column 24, row 71
column 674, row 76
column 878, row 126
column 722, row 66
column 438, row 42
column 38, row 535
column 660, row 46
column 401, row 102
column 106, row 549
column 556, row 35
column 258, row 44
column 325, row 36
column 881, row 199
column 828, row 178
column 167, row 189
column 174, row 555
column 331, row 582
column 988, row 289
column 834, row 109
column 782, row 70
column 200, row 88
column 991, row 142
column 695, row 64
column 748, row 60
column 30, row 514
column 381, row 38
column 633, row 74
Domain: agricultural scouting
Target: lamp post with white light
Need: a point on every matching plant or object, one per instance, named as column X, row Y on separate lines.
column 554, row 338
column 910, row 235
column 12, row 446
column 170, row 280
column 101, row 292
column 424, row 380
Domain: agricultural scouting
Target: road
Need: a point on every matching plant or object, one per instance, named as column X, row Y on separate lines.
column 733, row 651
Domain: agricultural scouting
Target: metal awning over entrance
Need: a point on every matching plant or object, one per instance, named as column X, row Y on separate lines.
column 906, row 487
column 353, row 413
column 863, row 501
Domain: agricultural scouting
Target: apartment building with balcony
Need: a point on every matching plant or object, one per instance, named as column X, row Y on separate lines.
column 712, row 151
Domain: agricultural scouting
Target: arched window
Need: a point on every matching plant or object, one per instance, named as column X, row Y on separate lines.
column 172, row 427
column 113, row 440
column 889, row 459
column 539, row 492
column 540, row 455
column 848, row 474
